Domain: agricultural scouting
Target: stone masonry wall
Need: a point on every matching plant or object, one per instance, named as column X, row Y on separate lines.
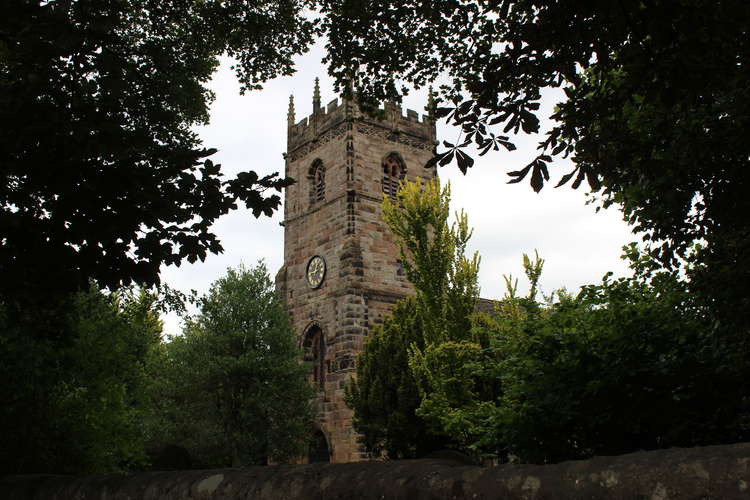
column 712, row 472
column 363, row 277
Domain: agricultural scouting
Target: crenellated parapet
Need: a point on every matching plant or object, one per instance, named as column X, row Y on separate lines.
column 391, row 119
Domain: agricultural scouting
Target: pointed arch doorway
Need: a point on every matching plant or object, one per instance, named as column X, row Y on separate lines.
column 319, row 452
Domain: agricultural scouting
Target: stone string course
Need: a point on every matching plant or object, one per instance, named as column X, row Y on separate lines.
column 712, row 472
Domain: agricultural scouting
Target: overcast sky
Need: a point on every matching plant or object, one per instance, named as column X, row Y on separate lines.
column 579, row 245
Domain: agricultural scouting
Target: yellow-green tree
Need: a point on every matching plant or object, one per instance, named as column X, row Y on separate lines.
column 433, row 250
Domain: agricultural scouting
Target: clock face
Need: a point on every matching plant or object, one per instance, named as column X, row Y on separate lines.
column 316, row 271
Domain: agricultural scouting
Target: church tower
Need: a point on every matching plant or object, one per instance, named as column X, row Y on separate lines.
column 341, row 272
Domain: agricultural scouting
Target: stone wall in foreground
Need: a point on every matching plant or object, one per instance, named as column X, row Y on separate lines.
column 713, row 472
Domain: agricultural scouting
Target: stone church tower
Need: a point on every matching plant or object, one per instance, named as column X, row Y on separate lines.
column 341, row 271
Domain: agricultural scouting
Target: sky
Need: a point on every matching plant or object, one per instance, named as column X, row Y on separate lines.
column 578, row 244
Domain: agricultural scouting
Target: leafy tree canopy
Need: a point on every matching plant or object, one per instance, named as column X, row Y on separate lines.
column 101, row 176
column 389, row 405
column 433, row 252
column 231, row 389
column 445, row 279
column 385, row 400
column 75, row 402
column 654, row 114
column 628, row 364
column 631, row 363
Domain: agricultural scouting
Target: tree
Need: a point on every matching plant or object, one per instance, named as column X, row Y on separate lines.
column 75, row 403
column 629, row 364
column 233, row 391
column 433, row 256
column 653, row 115
column 385, row 401
column 101, row 176
column 445, row 281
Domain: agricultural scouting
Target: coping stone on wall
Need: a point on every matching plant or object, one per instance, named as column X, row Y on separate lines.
column 715, row 472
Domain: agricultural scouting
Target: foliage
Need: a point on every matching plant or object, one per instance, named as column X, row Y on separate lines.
column 629, row 364
column 74, row 403
column 385, row 400
column 101, row 176
column 445, row 280
column 653, row 112
column 231, row 389
column 432, row 252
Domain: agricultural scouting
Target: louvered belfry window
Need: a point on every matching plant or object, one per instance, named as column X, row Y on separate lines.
column 394, row 172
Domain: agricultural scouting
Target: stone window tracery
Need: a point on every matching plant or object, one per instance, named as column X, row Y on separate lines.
column 394, row 171
column 317, row 177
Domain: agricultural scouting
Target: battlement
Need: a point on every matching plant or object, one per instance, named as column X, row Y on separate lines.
column 336, row 106
column 331, row 114
column 337, row 111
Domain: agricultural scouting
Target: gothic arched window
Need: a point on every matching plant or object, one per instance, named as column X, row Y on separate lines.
column 394, row 172
column 314, row 347
column 317, row 177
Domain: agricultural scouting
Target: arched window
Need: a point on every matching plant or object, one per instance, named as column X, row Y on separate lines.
column 314, row 347
column 394, row 172
column 317, row 177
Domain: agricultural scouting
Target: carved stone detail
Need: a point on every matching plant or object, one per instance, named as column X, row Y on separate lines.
column 326, row 137
column 388, row 135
